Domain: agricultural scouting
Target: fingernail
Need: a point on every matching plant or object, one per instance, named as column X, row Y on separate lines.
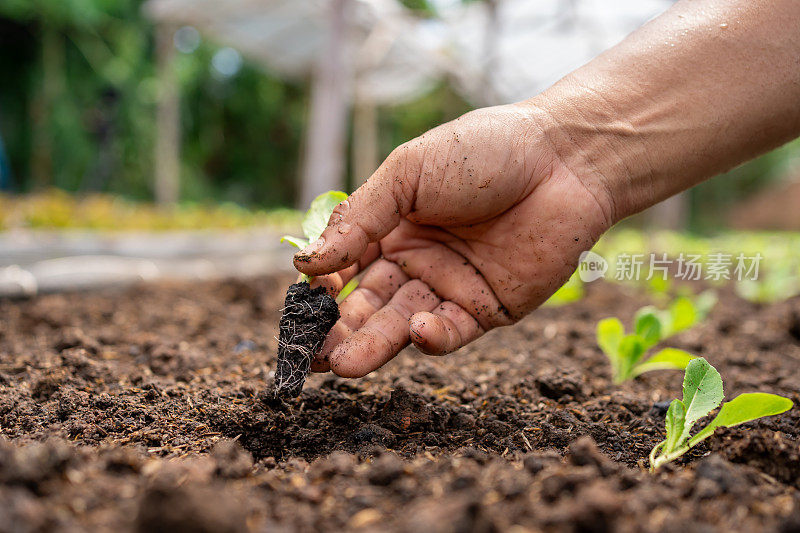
column 315, row 246
column 344, row 228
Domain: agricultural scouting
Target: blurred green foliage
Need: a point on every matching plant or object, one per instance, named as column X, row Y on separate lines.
column 78, row 96
column 55, row 209
column 77, row 111
column 778, row 275
column 241, row 136
column 79, row 68
column 82, row 95
column 710, row 201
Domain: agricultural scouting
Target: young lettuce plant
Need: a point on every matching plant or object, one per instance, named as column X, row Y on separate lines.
column 308, row 314
column 683, row 312
column 627, row 352
column 316, row 219
column 702, row 393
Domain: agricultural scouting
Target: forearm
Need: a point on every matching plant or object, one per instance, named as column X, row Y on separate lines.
column 705, row 86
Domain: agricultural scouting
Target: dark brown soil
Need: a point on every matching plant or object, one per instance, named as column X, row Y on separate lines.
column 308, row 315
column 152, row 409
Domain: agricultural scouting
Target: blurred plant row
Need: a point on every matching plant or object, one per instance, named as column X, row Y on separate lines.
column 59, row 210
column 778, row 276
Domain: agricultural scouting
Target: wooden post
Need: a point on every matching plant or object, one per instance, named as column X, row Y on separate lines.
column 167, row 165
column 42, row 105
column 324, row 164
column 672, row 213
column 491, row 59
column 366, row 142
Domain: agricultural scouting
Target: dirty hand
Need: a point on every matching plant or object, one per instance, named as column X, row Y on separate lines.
column 478, row 221
column 464, row 229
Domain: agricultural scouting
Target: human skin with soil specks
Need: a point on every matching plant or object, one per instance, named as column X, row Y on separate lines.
column 478, row 221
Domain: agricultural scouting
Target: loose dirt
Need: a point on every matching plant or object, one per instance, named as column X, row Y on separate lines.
column 152, row 409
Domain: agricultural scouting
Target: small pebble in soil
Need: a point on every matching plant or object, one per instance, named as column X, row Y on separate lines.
column 560, row 385
column 244, row 346
column 373, row 434
column 660, row 408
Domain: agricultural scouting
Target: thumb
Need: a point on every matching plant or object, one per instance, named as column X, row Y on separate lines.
column 368, row 215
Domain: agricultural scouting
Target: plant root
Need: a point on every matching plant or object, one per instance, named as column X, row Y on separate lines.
column 308, row 316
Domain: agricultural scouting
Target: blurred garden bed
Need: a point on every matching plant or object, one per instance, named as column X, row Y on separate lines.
column 56, row 210
column 53, row 242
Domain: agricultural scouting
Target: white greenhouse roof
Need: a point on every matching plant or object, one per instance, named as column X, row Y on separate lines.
column 396, row 56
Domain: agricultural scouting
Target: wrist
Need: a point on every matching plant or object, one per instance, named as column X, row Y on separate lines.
column 594, row 142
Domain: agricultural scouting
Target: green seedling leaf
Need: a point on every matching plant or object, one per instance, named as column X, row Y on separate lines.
column 651, row 325
column 744, row 408
column 316, row 220
column 666, row 359
column 682, row 316
column 631, row 350
column 675, row 423
column 702, row 385
column 704, row 303
column 346, row 290
column 647, row 327
column 610, row 332
column 296, row 241
column 702, row 391
column 317, row 216
column 659, row 285
column 571, row 291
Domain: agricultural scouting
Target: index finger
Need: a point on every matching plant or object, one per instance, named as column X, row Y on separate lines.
column 367, row 216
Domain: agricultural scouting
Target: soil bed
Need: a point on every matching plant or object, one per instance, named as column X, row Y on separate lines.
column 132, row 410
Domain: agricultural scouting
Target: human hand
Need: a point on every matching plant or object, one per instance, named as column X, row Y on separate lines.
column 467, row 228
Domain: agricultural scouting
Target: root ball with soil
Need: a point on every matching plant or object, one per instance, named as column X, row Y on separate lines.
column 308, row 316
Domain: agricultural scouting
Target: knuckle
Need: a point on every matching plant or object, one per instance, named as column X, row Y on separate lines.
column 417, row 289
column 400, row 155
column 357, row 315
column 339, row 213
column 372, row 299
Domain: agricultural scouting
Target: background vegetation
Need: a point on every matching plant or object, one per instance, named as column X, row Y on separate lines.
column 77, row 112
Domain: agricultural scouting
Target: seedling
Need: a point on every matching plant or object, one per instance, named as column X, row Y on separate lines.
column 308, row 314
column 702, row 393
column 627, row 351
column 316, row 219
column 683, row 313
column 776, row 284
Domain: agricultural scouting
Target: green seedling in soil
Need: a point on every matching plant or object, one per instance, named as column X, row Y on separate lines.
column 308, row 314
column 773, row 285
column 316, row 220
column 682, row 313
column 626, row 352
column 702, row 393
